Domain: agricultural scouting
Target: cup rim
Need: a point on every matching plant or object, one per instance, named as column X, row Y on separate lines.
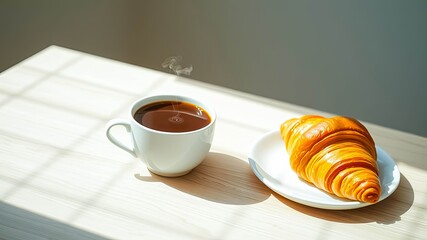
column 168, row 97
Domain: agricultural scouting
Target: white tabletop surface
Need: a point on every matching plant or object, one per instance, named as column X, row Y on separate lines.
column 60, row 178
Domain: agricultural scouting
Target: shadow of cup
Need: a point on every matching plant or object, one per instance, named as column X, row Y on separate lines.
column 220, row 178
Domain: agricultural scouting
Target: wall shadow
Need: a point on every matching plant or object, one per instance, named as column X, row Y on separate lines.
column 219, row 178
column 387, row 211
column 17, row 223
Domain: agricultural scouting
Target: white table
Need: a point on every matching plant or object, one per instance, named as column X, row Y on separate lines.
column 60, row 178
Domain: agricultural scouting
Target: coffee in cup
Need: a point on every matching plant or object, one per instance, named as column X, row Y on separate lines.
column 172, row 116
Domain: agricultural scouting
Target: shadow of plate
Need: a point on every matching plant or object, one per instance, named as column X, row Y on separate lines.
column 388, row 211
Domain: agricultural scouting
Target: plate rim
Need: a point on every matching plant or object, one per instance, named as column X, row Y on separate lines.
column 346, row 204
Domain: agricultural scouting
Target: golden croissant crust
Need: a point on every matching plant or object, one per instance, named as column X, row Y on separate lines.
column 335, row 154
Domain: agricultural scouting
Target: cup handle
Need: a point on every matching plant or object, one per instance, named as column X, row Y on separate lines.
column 125, row 123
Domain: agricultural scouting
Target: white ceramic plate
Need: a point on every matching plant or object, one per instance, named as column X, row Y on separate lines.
column 270, row 163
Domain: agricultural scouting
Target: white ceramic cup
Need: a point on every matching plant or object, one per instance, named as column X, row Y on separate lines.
column 169, row 154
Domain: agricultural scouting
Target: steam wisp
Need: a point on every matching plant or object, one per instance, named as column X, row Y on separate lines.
column 174, row 64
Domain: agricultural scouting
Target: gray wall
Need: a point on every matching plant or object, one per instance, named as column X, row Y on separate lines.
column 366, row 59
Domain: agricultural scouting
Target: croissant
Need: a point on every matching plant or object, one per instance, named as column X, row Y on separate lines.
column 335, row 154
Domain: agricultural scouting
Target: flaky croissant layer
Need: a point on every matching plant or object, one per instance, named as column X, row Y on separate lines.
column 335, row 154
